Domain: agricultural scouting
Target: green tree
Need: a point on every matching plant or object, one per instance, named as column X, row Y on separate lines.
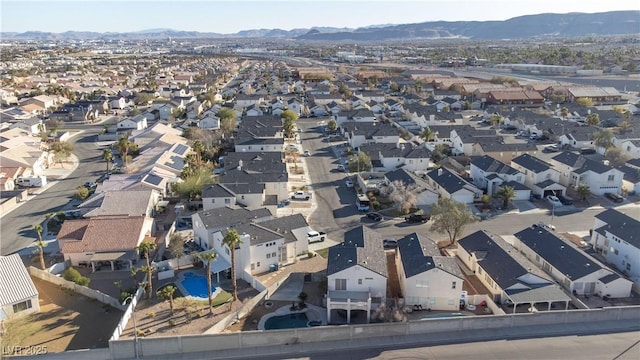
column 227, row 120
column 61, row 150
column 584, row 102
column 231, row 240
column 404, row 196
column 289, row 114
column 193, row 179
column 81, row 193
column 40, row 244
column 496, row 119
column 583, row 191
column 332, row 125
column 176, row 246
column 450, row 216
column 124, row 146
column 359, row 162
column 603, row 138
column 135, row 112
column 593, row 119
column 145, row 248
column 166, row 293
column 564, row 112
column 427, row 134
column 505, row 193
column 107, row 156
column 288, row 126
column 143, row 98
column 207, row 258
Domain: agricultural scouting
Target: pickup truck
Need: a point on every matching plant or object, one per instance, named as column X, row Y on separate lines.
column 316, row 236
column 416, row 218
column 301, row 195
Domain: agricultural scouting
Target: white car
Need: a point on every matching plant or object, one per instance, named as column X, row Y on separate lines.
column 554, row 200
column 349, row 183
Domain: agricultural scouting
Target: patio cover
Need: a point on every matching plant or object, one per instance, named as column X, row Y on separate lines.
column 549, row 293
column 110, row 256
column 219, row 264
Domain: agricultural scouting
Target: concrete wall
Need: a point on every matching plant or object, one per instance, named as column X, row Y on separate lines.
column 281, row 341
column 82, row 290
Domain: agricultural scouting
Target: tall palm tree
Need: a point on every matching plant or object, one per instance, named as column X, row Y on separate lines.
column 123, row 145
column 232, row 239
column 107, row 156
column 199, row 148
column 208, row 258
column 506, row 193
column 40, row 244
column 146, row 247
column 167, row 294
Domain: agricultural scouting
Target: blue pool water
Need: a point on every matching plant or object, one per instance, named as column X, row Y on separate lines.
column 444, row 315
column 289, row 321
column 196, row 285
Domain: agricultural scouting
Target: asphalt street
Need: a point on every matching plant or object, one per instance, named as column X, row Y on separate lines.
column 16, row 227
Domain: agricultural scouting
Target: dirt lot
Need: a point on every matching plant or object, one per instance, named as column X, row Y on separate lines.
column 66, row 321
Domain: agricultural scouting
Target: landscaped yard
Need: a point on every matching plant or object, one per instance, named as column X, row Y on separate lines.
column 66, row 321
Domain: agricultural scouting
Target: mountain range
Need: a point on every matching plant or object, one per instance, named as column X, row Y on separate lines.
column 522, row 27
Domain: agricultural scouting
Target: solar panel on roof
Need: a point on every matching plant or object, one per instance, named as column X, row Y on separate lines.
column 180, row 149
column 153, row 179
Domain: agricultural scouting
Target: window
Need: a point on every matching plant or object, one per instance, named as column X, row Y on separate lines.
column 213, row 201
column 273, row 254
column 253, row 266
column 22, row 306
column 227, row 201
column 628, row 266
column 611, row 178
column 258, row 264
column 453, row 284
column 268, row 256
column 359, row 281
column 341, row 284
column 242, row 197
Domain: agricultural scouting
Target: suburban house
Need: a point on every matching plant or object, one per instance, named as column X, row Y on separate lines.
column 615, row 235
column 20, row 149
column 508, row 275
column 515, row 97
column 138, row 122
column 217, row 196
column 356, row 275
column 267, row 242
column 390, row 156
column 32, row 125
column 427, row 279
column 573, row 268
column 599, row 95
column 18, row 294
column 209, row 123
column 490, row 174
column 539, row 176
column 249, row 175
column 451, row 185
column 631, row 177
column 424, row 193
column 260, row 134
column 109, row 241
column 576, row 169
column 361, row 115
column 245, row 100
column 359, row 133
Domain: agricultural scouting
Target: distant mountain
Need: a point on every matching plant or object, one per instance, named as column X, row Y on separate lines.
column 522, row 27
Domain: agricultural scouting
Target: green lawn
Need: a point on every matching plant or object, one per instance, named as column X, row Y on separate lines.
column 323, row 252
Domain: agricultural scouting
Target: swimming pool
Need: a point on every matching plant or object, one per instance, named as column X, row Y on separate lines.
column 289, row 321
column 196, row 285
column 442, row 315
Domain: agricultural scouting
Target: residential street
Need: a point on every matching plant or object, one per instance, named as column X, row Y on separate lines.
column 16, row 227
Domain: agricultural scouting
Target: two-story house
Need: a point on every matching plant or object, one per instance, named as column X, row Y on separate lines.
column 490, row 174
column 359, row 133
column 616, row 236
column 599, row 177
column 539, row 176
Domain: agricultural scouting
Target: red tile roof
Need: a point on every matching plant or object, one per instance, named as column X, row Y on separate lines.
column 101, row 234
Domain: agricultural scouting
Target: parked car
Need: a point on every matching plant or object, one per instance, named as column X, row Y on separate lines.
column 416, row 218
column 390, row 243
column 316, row 236
column 342, row 168
column 307, row 153
column 301, row 195
column 551, row 148
column 614, row 197
column 90, row 184
column 553, row 200
column 349, row 183
column 565, row 200
column 374, row 216
column 546, row 226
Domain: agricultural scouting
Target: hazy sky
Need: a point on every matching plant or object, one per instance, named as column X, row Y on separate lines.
column 230, row 16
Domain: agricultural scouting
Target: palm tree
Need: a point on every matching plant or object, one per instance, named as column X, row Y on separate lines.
column 107, row 156
column 123, row 145
column 506, row 193
column 583, row 191
column 199, row 148
column 208, row 258
column 232, row 239
column 146, row 247
column 427, row 134
column 167, row 294
column 40, row 244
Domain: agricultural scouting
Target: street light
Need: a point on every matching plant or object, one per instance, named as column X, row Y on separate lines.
column 135, row 327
